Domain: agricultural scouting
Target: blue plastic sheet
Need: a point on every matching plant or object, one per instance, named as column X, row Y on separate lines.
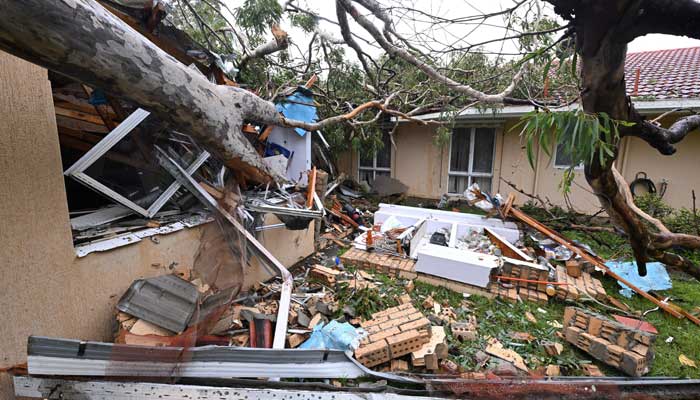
column 656, row 279
column 333, row 336
column 299, row 106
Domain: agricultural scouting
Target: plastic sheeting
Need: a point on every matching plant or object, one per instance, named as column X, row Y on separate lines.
column 656, row 279
column 299, row 106
column 334, row 336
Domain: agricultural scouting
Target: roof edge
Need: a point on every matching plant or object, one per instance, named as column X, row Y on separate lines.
column 498, row 114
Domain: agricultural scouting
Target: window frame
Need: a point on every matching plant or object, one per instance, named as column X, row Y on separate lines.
column 77, row 170
column 563, row 166
column 470, row 172
column 374, row 169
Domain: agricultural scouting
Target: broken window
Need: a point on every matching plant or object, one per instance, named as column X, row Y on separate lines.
column 471, row 158
column 114, row 186
column 373, row 164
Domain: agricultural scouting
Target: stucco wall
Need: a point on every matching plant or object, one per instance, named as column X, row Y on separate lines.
column 681, row 170
column 418, row 163
column 423, row 167
column 45, row 289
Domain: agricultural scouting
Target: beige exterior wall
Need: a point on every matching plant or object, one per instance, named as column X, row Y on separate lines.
column 44, row 288
column 419, row 164
column 681, row 170
column 542, row 180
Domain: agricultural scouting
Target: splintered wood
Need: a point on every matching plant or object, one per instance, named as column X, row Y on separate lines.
column 393, row 333
column 579, row 287
column 384, row 263
column 609, row 341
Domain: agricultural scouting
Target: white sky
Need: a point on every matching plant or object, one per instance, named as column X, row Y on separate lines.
column 458, row 36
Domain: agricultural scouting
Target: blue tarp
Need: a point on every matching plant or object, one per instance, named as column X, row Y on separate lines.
column 656, row 279
column 299, row 106
column 333, row 336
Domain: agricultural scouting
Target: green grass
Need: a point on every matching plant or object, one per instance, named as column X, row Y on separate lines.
column 497, row 318
column 686, row 335
column 685, row 293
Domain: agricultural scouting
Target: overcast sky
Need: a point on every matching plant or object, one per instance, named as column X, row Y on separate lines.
column 459, row 35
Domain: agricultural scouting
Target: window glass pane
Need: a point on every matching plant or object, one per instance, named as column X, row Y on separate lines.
column 562, row 158
column 459, row 157
column 484, row 139
column 366, row 176
column 384, row 173
column 457, row 184
column 483, row 182
column 366, row 158
column 384, row 154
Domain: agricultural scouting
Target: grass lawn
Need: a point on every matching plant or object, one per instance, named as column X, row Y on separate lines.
column 500, row 319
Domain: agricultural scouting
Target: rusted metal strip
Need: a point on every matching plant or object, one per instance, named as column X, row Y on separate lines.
column 595, row 260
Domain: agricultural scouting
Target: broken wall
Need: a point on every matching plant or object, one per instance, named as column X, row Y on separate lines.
column 45, row 289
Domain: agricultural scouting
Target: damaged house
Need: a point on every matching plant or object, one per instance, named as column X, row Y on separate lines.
column 88, row 208
column 485, row 149
column 156, row 245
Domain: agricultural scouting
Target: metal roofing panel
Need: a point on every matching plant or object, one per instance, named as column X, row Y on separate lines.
column 167, row 301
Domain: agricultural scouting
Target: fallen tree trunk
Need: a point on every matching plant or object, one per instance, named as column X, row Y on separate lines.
column 82, row 40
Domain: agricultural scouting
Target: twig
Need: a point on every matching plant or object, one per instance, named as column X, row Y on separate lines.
column 532, row 196
column 695, row 215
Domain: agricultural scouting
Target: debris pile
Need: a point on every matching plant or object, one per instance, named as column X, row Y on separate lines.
column 393, row 332
column 609, row 341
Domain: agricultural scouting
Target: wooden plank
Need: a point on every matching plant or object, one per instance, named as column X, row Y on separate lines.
column 265, row 133
column 598, row 262
column 311, row 188
column 507, row 249
column 94, row 119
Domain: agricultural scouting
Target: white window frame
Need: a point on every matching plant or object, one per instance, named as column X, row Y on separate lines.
column 374, row 169
column 470, row 173
column 563, row 166
column 77, row 170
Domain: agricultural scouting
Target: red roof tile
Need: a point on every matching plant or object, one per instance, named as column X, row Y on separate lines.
column 664, row 74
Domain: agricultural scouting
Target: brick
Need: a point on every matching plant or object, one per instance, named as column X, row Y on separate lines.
column 594, row 326
column 571, row 334
column 634, row 364
column 393, row 323
column 373, row 354
column 384, row 334
column 406, row 342
column 418, row 324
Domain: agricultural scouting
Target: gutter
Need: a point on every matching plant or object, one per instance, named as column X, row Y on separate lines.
column 492, row 115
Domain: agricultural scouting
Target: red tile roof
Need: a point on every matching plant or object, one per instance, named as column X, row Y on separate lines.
column 664, row 74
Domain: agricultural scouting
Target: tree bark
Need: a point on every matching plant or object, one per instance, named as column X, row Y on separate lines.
column 603, row 29
column 82, row 40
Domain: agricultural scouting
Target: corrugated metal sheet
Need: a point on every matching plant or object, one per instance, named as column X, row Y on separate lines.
column 65, row 357
column 167, row 301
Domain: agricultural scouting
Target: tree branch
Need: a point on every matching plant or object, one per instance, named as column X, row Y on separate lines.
column 671, row 17
column 660, row 138
column 280, row 41
column 433, row 73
